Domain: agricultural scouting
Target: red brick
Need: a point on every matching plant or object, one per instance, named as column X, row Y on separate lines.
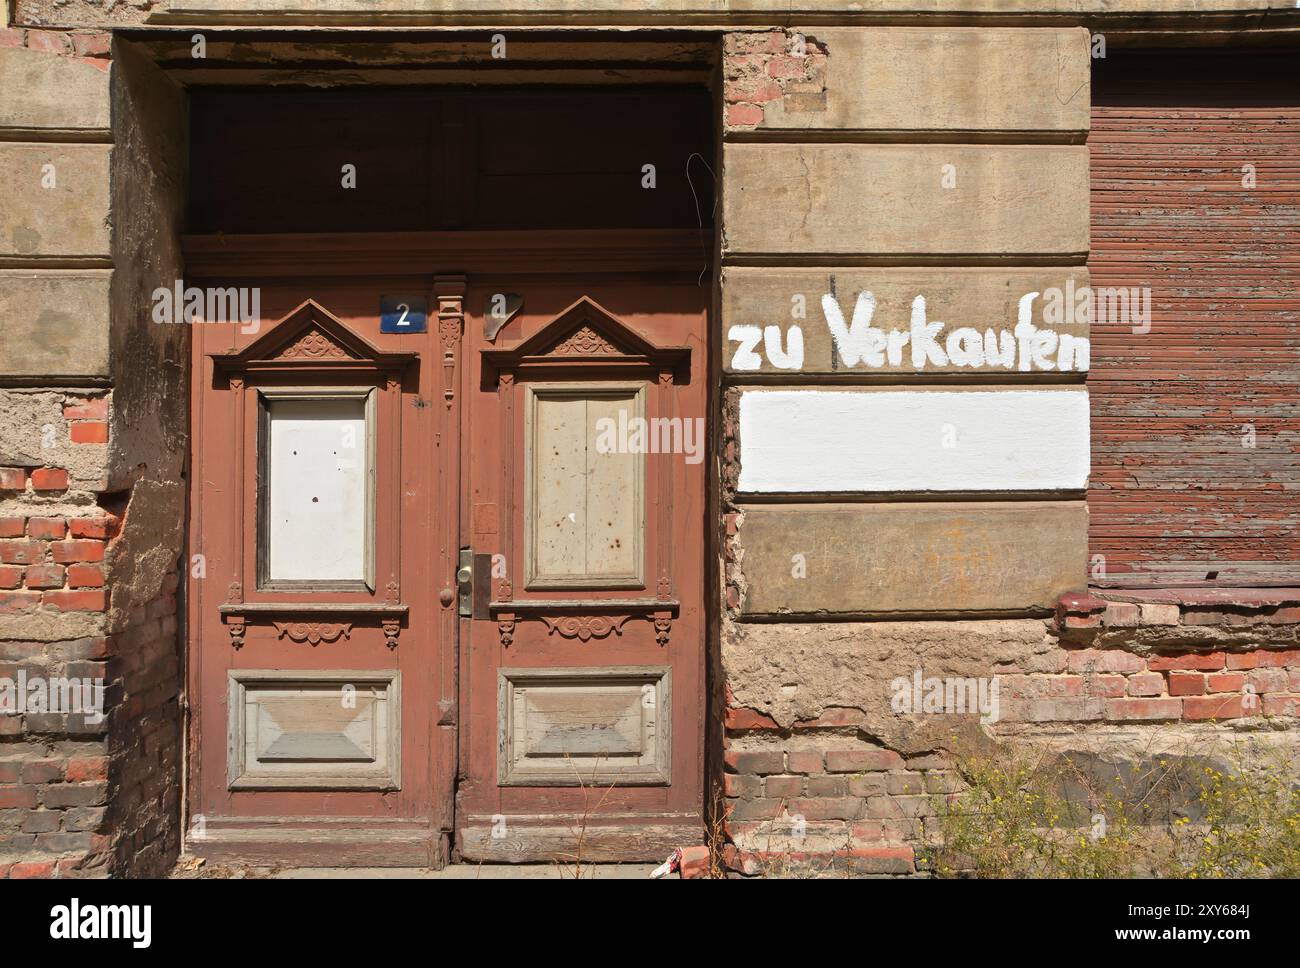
column 1203, row 661
column 804, row 762
column 29, row 870
column 1269, row 680
column 1104, row 660
column 11, row 37
column 17, row 798
column 13, row 479
column 1282, row 704
column 1186, row 684
column 1219, row 707
column 1041, row 687
column 46, row 529
column 42, row 771
column 1123, row 614
column 694, row 863
column 85, row 576
column 85, row 769
column 786, row 66
column 783, row 786
column 21, row 552
column 866, row 831
column 45, row 576
column 832, row 717
column 12, row 603
column 1243, row 660
column 1146, row 684
column 77, row 550
column 744, row 114
column 760, row 761
column 50, row 41
column 50, row 479
column 1278, row 658
column 11, row 576
column 858, row 761
column 740, row 785
column 1073, row 709
column 12, row 527
column 1107, row 687
column 749, row 719
column 88, row 432
column 85, row 408
column 78, row 601
column 829, row 808
column 102, row 527
column 1129, row 710
column 1081, row 621
column 1226, row 682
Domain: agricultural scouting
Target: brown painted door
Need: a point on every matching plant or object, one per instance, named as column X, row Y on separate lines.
column 323, row 536
column 582, row 696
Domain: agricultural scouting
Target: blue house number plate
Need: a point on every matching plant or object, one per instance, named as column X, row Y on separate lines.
column 403, row 314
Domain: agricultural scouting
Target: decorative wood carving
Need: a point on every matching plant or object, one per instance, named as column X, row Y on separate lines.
column 586, row 342
column 585, row 331
column 451, row 322
column 584, row 628
column 313, row 622
column 315, row 345
column 314, row 633
column 392, row 628
column 309, row 337
column 586, row 619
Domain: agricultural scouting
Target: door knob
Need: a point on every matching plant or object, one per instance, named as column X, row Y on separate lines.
column 465, row 583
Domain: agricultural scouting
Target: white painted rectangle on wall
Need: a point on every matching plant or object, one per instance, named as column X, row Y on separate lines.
column 913, row 440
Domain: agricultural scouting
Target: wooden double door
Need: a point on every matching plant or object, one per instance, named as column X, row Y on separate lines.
column 447, row 535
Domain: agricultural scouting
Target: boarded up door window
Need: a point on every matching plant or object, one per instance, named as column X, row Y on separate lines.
column 584, row 513
column 1195, row 417
column 317, row 492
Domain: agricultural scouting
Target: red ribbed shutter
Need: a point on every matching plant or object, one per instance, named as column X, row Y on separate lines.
column 1177, row 496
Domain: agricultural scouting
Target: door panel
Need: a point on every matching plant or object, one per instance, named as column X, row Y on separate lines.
column 582, row 690
column 323, row 525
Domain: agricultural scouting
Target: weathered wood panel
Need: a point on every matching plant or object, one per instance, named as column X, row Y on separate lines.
column 322, row 729
column 949, row 80
column 872, row 440
column 584, row 726
column 847, row 319
column 1196, row 389
column 891, row 200
column 880, row 560
column 602, row 838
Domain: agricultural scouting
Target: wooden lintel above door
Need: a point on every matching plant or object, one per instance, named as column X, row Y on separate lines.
column 395, row 253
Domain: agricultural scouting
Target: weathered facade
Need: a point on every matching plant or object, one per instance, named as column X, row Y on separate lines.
column 985, row 311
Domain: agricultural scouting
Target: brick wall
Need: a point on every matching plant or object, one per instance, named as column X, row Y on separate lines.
column 82, row 795
column 826, row 794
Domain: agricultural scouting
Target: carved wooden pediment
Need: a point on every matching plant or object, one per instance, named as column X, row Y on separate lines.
column 309, row 337
column 584, row 333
